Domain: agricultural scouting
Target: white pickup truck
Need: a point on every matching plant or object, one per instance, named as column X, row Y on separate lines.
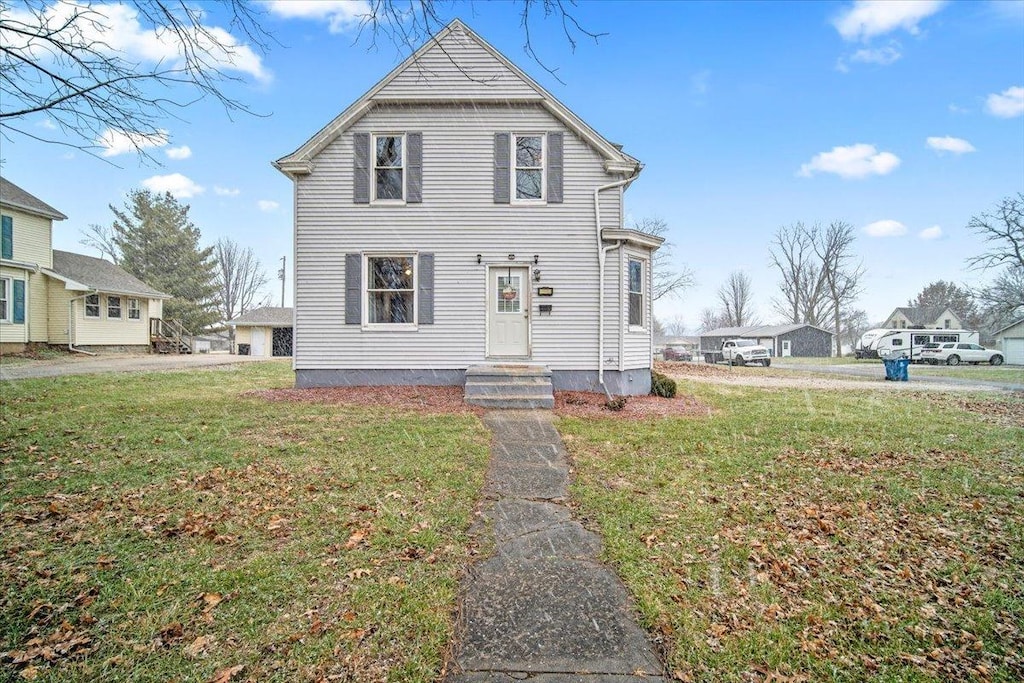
column 739, row 352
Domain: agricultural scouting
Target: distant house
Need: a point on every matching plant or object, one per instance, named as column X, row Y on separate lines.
column 59, row 297
column 925, row 317
column 458, row 221
column 1010, row 340
column 264, row 332
column 798, row 340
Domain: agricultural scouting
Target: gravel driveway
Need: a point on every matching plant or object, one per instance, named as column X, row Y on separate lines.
column 85, row 365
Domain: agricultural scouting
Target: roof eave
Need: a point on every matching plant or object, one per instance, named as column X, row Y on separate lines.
column 35, row 211
column 636, row 237
column 74, row 285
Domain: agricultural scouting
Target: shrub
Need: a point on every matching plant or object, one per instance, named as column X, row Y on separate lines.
column 662, row 386
column 617, row 403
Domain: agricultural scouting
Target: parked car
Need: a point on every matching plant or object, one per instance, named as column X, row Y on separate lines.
column 955, row 353
column 676, row 354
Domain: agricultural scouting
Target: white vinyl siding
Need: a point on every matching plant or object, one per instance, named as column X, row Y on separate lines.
column 108, row 331
column 32, row 237
column 457, row 220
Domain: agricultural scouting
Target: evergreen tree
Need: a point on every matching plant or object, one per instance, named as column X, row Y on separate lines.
column 159, row 245
column 942, row 294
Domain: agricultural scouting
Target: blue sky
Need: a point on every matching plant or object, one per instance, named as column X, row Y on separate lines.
column 904, row 119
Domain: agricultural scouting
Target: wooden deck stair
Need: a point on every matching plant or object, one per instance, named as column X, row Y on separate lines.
column 509, row 386
column 169, row 336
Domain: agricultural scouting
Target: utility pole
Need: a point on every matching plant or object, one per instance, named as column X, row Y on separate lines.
column 280, row 275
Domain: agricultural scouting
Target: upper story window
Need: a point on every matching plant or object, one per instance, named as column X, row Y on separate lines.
column 389, row 167
column 636, row 293
column 114, row 307
column 5, row 300
column 528, row 170
column 134, row 309
column 92, row 306
column 391, row 290
column 948, row 323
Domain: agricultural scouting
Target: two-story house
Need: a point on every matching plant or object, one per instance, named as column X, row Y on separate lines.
column 929, row 317
column 49, row 296
column 459, row 217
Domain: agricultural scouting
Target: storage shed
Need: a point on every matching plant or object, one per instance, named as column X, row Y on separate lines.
column 1010, row 340
column 264, row 332
column 799, row 340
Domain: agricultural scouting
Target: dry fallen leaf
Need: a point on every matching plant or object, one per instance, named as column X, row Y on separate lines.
column 198, row 646
column 226, row 674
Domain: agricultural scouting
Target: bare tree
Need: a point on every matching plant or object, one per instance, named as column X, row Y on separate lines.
column 803, row 285
column 842, row 275
column 102, row 239
column 1003, row 299
column 1003, row 230
column 735, row 300
column 676, row 326
column 69, row 61
column 240, row 277
column 711, row 319
column 669, row 279
column 855, row 323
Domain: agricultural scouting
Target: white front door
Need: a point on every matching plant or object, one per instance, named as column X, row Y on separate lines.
column 257, row 342
column 785, row 348
column 508, row 312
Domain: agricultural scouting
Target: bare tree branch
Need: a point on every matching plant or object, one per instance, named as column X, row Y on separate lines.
column 1003, row 230
column 735, row 299
column 669, row 279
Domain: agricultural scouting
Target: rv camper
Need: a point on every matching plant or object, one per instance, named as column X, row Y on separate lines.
column 907, row 342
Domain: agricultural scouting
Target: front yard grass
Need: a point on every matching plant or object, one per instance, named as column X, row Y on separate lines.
column 817, row 535
column 167, row 526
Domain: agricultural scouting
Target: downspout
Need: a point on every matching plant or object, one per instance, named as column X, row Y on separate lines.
column 602, row 253
column 71, row 322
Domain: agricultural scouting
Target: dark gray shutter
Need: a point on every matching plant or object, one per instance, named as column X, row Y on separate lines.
column 554, row 168
column 426, row 287
column 502, row 168
column 414, row 164
column 353, row 289
column 361, row 168
column 18, row 310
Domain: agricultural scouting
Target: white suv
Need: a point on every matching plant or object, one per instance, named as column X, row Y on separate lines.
column 953, row 353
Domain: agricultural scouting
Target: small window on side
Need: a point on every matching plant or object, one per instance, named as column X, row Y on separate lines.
column 5, row 300
column 636, row 293
column 134, row 309
column 114, row 307
column 92, row 306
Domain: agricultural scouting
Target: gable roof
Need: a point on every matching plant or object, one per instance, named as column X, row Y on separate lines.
column 501, row 70
column 760, row 330
column 14, row 196
column 271, row 316
column 921, row 315
column 81, row 272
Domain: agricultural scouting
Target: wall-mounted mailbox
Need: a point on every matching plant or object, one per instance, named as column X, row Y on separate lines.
column 546, row 291
column 545, row 309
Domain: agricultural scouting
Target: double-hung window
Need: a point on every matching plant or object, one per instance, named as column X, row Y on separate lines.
column 391, row 290
column 92, row 306
column 636, row 293
column 528, row 170
column 389, row 168
column 114, row 307
column 134, row 309
column 5, row 300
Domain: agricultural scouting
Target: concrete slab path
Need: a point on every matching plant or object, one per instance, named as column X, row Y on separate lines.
column 543, row 608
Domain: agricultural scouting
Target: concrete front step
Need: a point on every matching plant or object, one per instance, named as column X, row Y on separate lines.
column 514, row 387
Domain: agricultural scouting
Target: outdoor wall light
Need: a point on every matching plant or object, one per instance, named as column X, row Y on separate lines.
column 511, row 257
column 536, row 274
column 478, row 259
column 536, row 259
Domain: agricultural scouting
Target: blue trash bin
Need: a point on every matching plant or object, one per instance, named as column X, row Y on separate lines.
column 901, row 369
column 890, row 369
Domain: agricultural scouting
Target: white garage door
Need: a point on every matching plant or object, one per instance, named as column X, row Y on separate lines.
column 1013, row 350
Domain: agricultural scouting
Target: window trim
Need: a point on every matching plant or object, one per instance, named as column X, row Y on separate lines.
column 120, row 307
column 373, row 170
column 86, row 304
column 642, row 327
column 7, row 296
column 137, row 309
column 513, row 167
column 364, row 291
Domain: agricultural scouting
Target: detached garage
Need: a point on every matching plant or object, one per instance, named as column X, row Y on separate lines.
column 265, row 332
column 1010, row 341
column 800, row 340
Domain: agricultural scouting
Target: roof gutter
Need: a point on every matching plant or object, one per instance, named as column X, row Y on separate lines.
column 602, row 254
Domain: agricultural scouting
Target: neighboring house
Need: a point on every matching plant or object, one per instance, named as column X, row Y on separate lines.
column 264, row 332
column 1010, row 340
column 458, row 215
column 924, row 317
column 58, row 297
column 799, row 340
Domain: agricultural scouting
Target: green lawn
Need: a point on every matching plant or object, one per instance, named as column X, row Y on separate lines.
column 167, row 526
column 817, row 535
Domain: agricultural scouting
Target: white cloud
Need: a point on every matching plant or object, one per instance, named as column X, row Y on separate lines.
column 886, row 228
column 268, row 205
column 226, row 191
column 700, row 82
column 855, row 161
column 115, row 142
column 178, row 153
column 47, row 123
column 182, row 187
column 957, row 109
column 883, row 56
column 932, row 233
column 115, row 28
column 866, row 19
column 1007, row 104
column 339, row 14
column 950, row 144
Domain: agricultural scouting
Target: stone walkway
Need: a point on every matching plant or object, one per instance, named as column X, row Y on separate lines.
column 543, row 609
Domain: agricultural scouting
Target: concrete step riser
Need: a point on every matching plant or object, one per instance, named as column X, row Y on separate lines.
column 508, row 390
column 487, row 379
column 511, row 402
